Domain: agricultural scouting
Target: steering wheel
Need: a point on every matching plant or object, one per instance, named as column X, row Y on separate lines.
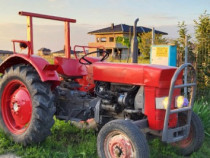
column 88, row 62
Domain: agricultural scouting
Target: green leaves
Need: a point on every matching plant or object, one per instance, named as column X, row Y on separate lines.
column 124, row 41
column 202, row 108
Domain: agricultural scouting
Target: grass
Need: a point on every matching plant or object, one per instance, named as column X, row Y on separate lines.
column 65, row 142
column 68, row 141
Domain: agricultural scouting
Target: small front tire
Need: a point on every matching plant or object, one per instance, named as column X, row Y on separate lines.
column 121, row 139
column 195, row 138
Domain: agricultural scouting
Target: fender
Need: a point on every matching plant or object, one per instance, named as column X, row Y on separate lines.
column 45, row 70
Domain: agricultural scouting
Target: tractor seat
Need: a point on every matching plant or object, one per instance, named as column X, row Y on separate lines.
column 70, row 67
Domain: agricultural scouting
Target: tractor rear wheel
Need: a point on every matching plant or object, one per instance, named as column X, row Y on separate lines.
column 195, row 138
column 121, row 139
column 26, row 106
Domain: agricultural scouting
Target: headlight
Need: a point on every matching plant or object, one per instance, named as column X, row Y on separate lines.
column 181, row 102
column 165, row 102
column 162, row 102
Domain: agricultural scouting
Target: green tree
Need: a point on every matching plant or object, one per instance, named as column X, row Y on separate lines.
column 202, row 34
column 180, row 42
column 125, row 41
column 145, row 42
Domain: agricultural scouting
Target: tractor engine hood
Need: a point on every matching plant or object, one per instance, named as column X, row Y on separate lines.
column 135, row 74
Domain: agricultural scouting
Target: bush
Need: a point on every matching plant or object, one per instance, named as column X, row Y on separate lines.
column 202, row 109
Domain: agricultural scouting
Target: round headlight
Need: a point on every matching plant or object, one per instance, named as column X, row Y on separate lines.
column 180, row 101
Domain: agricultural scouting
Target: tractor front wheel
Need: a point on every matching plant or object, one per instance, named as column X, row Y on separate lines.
column 195, row 138
column 121, row 139
column 26, row 106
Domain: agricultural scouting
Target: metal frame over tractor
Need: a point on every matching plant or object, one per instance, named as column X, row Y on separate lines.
column 124, row 102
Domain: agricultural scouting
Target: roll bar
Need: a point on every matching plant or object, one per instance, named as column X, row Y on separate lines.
column 30, row 29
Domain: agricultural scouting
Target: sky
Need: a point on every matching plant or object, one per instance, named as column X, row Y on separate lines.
column 164, row 15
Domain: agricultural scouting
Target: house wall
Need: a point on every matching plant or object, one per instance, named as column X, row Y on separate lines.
column 108, row 41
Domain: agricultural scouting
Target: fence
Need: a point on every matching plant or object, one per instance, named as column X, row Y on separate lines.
column 199, row 56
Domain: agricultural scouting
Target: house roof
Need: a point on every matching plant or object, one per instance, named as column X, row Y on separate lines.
column 44, row 49
column 123, row 28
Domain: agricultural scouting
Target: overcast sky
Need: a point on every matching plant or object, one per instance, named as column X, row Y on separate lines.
column 93, row 14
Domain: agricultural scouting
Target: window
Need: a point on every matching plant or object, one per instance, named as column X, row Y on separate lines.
column 97, row 39
column 111, row 39
column 103, row 39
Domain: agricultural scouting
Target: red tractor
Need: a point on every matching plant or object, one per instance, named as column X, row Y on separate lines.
column 125, row 102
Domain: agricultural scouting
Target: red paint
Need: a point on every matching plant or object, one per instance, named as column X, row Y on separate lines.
column 35, row 61
column 30, row 29
column 21, row 41
column 87, row 82
column 46, row 17
column 30, row 36
column 149, row 75
column 119, row 146
column 70, row 67
column 155, row 78
column 67, row 40
column 156, row 116
column 16, row 107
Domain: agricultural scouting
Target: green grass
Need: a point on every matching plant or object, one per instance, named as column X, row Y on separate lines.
column 140, row 60
column 68, row 141
column 65, row 142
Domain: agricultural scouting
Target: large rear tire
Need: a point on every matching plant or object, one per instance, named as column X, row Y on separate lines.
column 121, row 139
column 27, row 105
column 195, row 138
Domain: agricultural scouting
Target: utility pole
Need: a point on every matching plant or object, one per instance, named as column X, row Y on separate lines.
column 185, row 61
column 153, row 36
column 134, row 43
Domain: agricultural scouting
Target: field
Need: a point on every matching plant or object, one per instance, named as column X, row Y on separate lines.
column 67, row 141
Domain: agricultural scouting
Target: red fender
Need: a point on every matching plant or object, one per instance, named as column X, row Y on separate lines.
column 45, row 70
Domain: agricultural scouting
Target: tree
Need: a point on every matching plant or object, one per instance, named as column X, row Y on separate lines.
column 183, row 32
column 202, row 34
column 145, row 42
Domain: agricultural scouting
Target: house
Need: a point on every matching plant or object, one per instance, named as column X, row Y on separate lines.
column 44, row 51
column 106, row 37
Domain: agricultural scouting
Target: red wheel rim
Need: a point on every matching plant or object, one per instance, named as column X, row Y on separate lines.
column 186, row 142
column 118, row 145
column 16, row 107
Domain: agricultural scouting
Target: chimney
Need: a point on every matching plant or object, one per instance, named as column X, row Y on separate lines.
column 112, row 26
